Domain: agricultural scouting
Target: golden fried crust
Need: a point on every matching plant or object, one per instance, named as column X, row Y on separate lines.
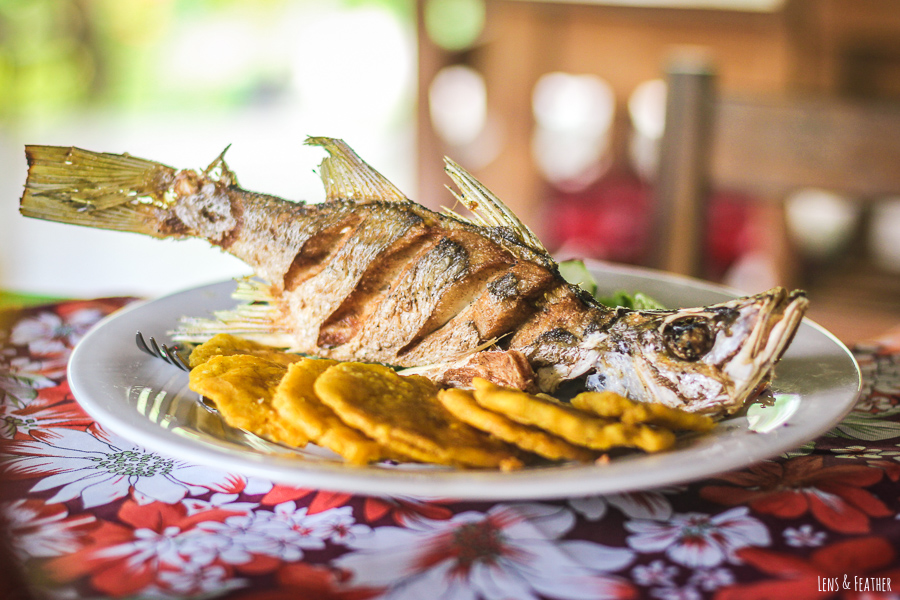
column 612, row 405
column 242, row 386
column 532, row 439
column 508, row 368
column 575, row 426
column 403, row 414
column 296, row 402
column 224, row 344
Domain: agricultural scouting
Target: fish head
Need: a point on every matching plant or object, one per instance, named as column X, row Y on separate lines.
column 707, row 360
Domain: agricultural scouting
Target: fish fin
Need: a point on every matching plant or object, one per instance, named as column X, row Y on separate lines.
column 219, row 171
column 254, row 318
column 346, row 176
column 80, row 187
column 488, row 209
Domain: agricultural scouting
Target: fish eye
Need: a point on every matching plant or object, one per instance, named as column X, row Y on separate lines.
column 688, row 338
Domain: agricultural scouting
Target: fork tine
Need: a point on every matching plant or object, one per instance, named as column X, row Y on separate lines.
column 175, row 358
column 157, row 350
column 185, row 364
column 162, row 351
column 139, row 340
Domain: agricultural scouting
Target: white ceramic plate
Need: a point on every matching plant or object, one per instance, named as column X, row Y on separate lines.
column 147, row 401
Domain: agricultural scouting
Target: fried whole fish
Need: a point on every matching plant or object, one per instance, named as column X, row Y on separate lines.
column 369, row 275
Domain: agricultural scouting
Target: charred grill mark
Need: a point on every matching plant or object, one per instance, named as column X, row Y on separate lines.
column 558, row 337
column 504, row 287
column 342, row 325
column 316, row 250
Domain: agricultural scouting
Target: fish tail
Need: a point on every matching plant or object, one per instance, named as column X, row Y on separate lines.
column 93, row 189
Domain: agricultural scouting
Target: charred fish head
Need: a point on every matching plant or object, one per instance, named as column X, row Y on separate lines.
column 707, row 360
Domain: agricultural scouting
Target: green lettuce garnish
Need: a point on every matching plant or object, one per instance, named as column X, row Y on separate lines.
column 575, row 271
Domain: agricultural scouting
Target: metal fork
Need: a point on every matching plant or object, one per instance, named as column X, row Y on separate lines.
column 167, row 353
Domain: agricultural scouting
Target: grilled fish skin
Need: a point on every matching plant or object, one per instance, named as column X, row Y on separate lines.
column 370, row 275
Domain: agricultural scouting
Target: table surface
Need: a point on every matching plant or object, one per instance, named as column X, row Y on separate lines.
column 90, row 515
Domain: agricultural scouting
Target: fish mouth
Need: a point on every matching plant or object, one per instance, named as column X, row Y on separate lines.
column 780, row 313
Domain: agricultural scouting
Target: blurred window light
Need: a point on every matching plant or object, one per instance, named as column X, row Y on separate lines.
column 647, row 108
column 573, row 115
column 353, row 67
column 884, row 234
column 822, row 222
column 647, row 111
column 457, row 103
column 214, row 52
column 454, row 24
column 177, row 80
column 564, row 102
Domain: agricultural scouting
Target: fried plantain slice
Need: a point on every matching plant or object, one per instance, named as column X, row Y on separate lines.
column 242, row 386
column 532, row 439
column 224, row 344
column 573, row 425
column 403, row 414
column 296, row 402
column 613, row 405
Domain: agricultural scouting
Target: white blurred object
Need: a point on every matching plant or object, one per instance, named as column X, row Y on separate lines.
column 573, row 115
column 457, row 103
column 647, row 111
column 458, row 106
column 884, row 234
column 821, row 221
column 751, row 273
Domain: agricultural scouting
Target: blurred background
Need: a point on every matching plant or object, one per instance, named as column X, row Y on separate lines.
column 558, row 107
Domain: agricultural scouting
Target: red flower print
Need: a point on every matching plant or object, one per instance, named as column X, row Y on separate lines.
column 124, row 559
column 374, row 507
column 320, row 502
column 799, row 578
column 301, row 581
column 402, row 509
column 833, row 495
column 53, row 408
column 283, row 493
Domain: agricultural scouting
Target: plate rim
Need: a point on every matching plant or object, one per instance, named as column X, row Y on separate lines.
column 568, row 480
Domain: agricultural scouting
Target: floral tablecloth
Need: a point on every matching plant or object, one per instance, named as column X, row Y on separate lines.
column 89, row 514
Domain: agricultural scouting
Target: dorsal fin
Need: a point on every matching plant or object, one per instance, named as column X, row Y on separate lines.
column 489, row 210
column 218, row 170
column 346, row 176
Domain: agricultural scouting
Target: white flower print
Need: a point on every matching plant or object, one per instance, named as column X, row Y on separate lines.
column 711, row 579
column 196, row 580
column 512, row 551
column 284, row 533
column 21, row 387
column 150, row 547
column 699, row 540
column 635, row 505
column 42, row 530
column 99, row 471
column 657, row 572
column 674, row 593
column 804, row 536
column 47, row 333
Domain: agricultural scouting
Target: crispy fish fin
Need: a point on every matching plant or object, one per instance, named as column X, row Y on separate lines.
column 346, row 176
column 109, row 191
column 489, row 209
column 219, row 171
column 254, row 318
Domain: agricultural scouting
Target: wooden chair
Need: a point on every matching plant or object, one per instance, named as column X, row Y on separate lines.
column 767, row 147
